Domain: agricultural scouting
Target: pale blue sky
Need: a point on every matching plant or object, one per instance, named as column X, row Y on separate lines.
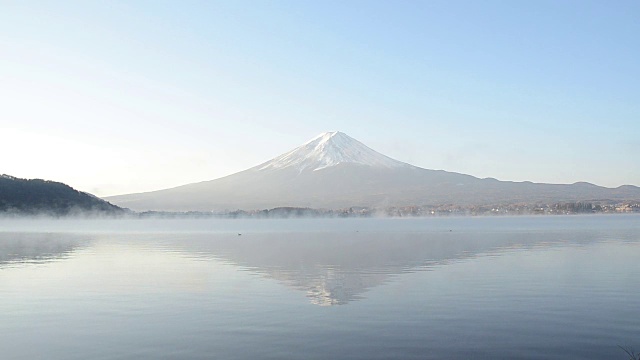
column 114, row 97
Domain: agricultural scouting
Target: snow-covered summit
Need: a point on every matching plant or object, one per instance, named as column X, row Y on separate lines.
column 330, row 149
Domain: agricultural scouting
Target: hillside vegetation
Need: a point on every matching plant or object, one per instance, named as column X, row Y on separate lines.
column 37, row 196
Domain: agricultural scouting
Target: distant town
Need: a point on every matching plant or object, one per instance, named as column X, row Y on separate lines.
column 560, row 208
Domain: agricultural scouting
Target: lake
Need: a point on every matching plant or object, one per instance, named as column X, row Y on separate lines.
column 565, row 287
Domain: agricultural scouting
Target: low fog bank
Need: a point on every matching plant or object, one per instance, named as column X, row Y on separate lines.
column 244, row 227
column 113, row 212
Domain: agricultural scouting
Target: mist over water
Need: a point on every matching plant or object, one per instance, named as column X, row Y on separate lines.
column 334, row 225
column 485, row 288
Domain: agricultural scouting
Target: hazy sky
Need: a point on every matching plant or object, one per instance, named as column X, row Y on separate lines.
column 114, row 97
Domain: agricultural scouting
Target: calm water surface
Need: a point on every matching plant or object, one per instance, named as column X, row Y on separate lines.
column 443, row 288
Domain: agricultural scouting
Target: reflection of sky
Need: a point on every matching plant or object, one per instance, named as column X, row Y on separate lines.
column 109, row 267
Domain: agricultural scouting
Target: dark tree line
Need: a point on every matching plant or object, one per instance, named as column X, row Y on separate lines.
column 36, row 196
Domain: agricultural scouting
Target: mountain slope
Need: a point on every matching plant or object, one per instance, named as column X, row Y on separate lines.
column 334, row 170
column 36, row 196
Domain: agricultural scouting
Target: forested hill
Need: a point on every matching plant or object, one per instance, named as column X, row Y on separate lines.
column 37, row 196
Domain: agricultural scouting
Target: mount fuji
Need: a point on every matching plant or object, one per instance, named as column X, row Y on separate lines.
column 334, row 171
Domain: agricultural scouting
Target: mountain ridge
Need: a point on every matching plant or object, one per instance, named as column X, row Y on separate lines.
column 333, row 170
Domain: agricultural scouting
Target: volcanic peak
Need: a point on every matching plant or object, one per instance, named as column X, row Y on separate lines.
column 330, row 149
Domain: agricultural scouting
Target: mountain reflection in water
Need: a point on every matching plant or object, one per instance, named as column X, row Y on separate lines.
column 332, row 268
column 337, row 268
